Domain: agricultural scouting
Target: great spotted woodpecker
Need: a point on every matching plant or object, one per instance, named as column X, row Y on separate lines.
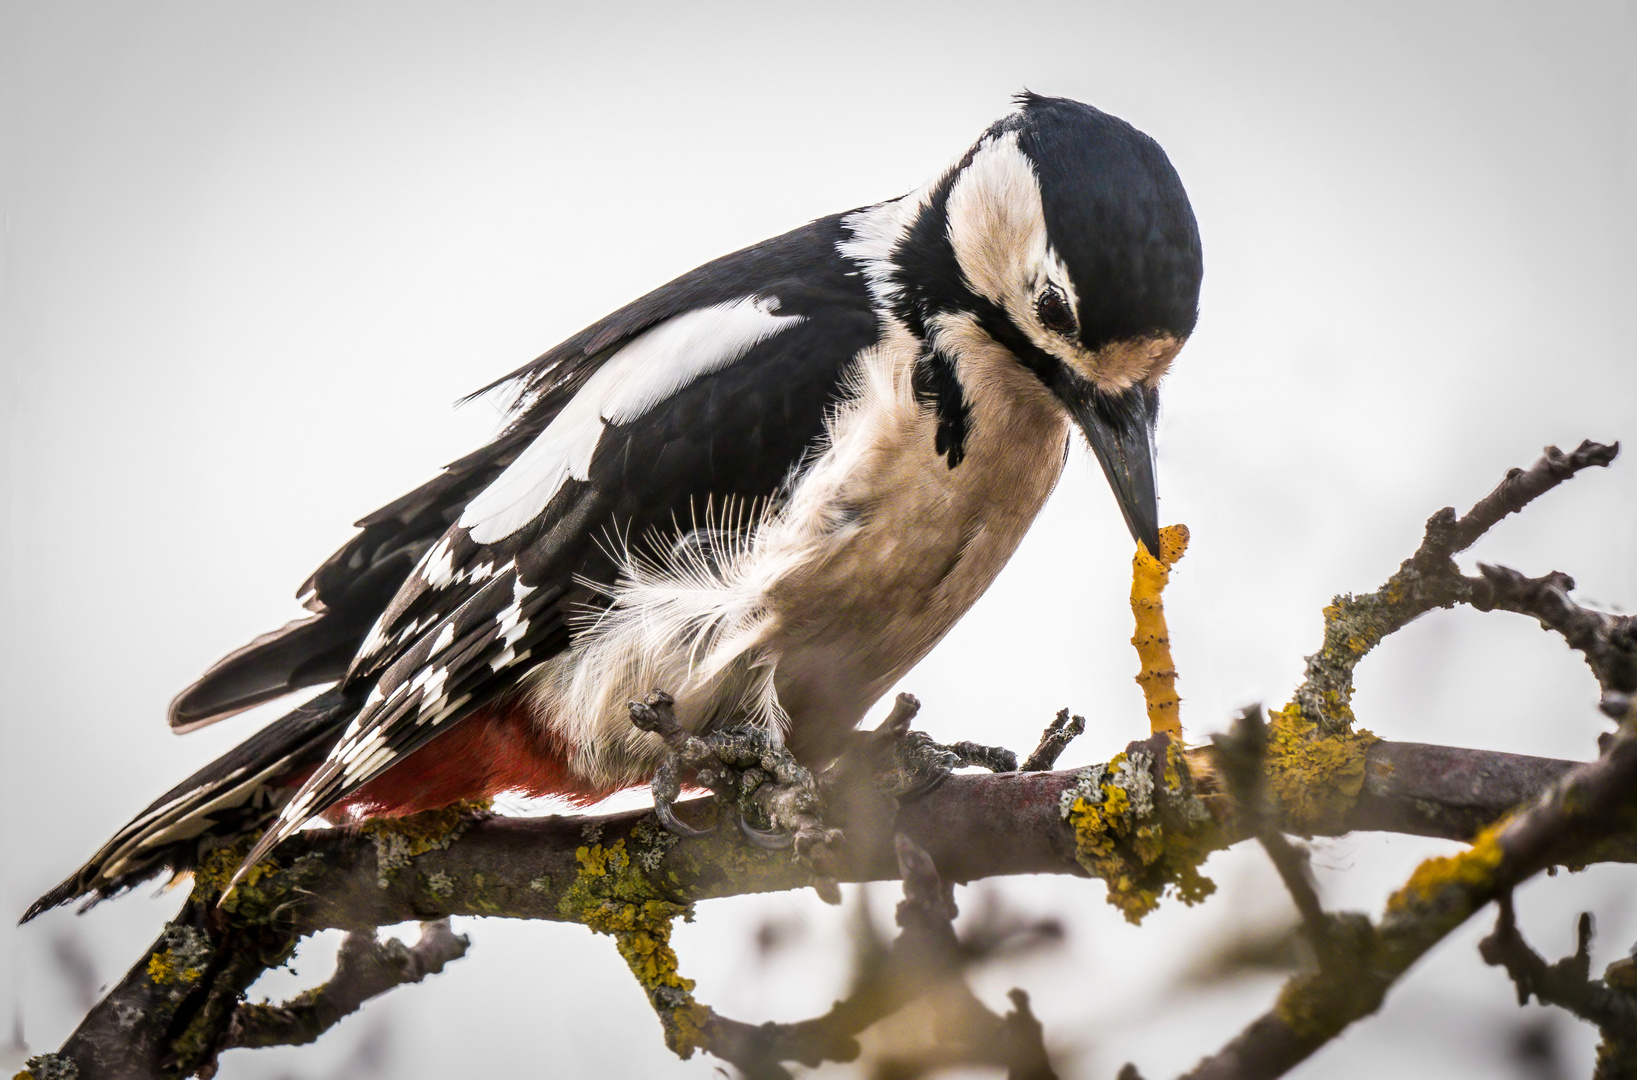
column 768, row 487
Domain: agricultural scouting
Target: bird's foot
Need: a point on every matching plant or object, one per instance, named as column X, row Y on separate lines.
column 905, row 764
column 758, row 783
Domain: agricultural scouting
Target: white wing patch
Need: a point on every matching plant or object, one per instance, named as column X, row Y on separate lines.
column 655, row 365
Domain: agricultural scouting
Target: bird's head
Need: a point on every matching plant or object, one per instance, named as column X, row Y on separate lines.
column 1064, row 235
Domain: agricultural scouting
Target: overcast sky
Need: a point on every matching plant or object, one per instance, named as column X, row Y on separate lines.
column 253, row 252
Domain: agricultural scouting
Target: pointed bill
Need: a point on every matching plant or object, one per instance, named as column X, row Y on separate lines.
column 1120, row 429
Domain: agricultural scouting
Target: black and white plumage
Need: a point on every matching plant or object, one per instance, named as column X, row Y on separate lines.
column 768, row 487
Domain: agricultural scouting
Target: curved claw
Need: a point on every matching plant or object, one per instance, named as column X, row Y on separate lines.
column 925, row 787
column 675, row 825
column 770, row 839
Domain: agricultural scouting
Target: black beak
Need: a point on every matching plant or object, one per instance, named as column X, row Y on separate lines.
column 1120, row 428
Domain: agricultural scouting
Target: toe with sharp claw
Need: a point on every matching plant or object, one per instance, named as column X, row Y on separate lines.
column 755, row 778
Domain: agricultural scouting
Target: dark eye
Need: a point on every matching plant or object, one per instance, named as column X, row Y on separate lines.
column 1055, row 314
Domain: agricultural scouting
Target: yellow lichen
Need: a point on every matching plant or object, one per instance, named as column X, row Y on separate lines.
column 398, row 840
column 261, row 891
column 163, row 968
column 1472, row 869
column 1301, row 1004
column 1158, row 677
column 1622, row 974
column 1314, row 777
column 429, row 830
column 612, row 896
column 1120, row 837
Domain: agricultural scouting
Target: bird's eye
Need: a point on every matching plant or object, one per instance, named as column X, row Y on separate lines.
column 1054, row 312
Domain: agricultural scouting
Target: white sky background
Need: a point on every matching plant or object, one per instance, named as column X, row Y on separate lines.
column 252, row 253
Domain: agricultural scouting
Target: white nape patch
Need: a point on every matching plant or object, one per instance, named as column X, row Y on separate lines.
column 997, row 226
column 655, row 365
column 878, row 230
column 876, row 233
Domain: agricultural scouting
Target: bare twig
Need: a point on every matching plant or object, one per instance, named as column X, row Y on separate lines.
column 1522, row 487
column 1063, row 730
column 1607, row 642
column 1241, row 755
column 366, row 967
column 926, row 960
column 1568, row 984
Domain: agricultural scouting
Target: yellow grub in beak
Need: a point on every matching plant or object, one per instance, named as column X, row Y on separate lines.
column 1158, row 677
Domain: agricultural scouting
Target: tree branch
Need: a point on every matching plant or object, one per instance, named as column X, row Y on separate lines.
column 1585, row 806
column 1610, row 1003
column 1429, row 579
column 366, row 967
column 926, row 961
column 972, row 827
column 1144, row 820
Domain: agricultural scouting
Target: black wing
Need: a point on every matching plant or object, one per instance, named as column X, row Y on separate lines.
column 349, row 593
column 481, row 609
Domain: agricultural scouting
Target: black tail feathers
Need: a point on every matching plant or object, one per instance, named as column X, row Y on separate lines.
column 240, row 792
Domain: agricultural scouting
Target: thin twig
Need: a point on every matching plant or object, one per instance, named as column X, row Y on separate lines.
column 1607, row 642
column 925, row 961
column 1241, row 755
column 1523, row 486
column 1063, row 730
column 365, row 967
column 1569, row 985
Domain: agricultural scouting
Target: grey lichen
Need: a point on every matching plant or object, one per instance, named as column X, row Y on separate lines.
column 440, row 883
column 650, row 843
column 1140, row 828
column 399, row 840
column 50, row 1067
column 541, row 883
column 1135, row 777
column 1088, row 785
column 183, row 954
column 391, row 855
column 126, row 1015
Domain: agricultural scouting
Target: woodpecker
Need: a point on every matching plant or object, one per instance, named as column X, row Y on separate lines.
column 768, row 487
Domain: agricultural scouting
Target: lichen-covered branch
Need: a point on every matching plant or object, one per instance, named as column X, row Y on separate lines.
column 1428, row 579
column 1586, row 805
column 1610, row 1002
column 973, row 826
column 1140, row 825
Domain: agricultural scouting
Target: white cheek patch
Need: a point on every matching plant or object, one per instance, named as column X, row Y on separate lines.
column 653, row 367
column 997, row 224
